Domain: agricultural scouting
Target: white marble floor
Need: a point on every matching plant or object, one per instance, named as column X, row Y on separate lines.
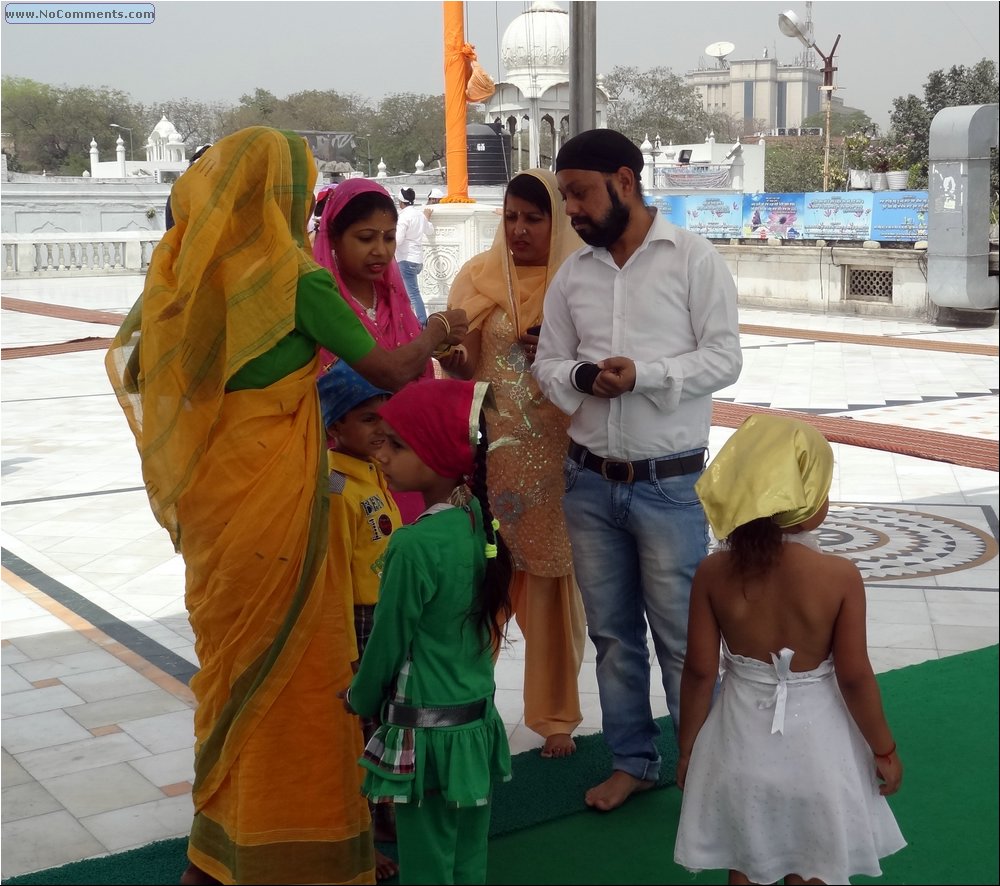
column 97, row 717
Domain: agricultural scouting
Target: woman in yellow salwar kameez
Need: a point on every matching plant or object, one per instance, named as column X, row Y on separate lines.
column 215, row 367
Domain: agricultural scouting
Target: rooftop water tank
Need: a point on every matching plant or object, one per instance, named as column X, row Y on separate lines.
column 489, row 154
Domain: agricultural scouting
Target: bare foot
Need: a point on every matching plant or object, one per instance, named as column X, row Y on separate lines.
column 384, row 823
column 560, row 744
column 610, row 794
column 385, row 867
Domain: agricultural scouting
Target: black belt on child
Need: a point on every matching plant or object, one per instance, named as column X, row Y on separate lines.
column 630, row 471
column 410, row 716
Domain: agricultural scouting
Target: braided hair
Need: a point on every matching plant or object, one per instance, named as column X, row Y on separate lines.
column 493, row 607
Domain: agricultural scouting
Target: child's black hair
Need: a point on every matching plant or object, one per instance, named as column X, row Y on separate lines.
column 493, row 607
column 754, row 547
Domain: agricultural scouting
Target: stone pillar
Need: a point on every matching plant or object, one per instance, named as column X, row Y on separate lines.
column 94, row 157
column 647, row 164
column 120, row 152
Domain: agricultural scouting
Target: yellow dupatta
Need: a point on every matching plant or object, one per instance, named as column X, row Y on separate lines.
column 490, row 279
column 220, row 290
column 527, row 432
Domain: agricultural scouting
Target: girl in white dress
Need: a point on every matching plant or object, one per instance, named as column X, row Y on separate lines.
column 785, row 774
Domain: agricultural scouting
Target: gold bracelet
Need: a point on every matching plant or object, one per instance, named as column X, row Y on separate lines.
column 443, row 319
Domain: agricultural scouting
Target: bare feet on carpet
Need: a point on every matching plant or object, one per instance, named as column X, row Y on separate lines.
column 610, row 794
column 560, row 744
column 385, row 867
column 195, row 876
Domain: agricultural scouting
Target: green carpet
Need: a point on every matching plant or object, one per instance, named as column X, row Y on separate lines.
column 944, row 717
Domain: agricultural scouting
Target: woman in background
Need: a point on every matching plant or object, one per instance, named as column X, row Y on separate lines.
column 357, row 243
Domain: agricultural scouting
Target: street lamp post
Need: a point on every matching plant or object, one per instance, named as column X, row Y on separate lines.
column 131, row 155
column 788, row 24
column 368, row 144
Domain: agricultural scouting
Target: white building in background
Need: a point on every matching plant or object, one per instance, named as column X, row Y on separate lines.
column 166, row 156
column 532, row 104
column 774, row 95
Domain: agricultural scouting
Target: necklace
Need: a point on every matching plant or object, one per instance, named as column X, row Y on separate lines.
column 370, row 312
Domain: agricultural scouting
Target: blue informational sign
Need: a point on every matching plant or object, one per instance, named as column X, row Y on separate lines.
column 838, row 216
column 773, row 215
column 899, row 216
column 886, row 216
column 717, row 216
column 671, row 207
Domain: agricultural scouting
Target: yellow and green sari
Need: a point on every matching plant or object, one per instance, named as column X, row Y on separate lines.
column 238, row 478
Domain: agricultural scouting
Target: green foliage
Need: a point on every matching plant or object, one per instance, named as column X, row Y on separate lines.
column 51, row 127
column 911, row 116
column 841, row 123
column 792, row 165
column 655, row 102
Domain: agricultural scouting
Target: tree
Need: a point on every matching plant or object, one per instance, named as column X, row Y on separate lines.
column 793, row 165
column 407, row 126
column 51, row 127
column 197, row 122
column 841, row 122
column 655, row 102
column 910, row 117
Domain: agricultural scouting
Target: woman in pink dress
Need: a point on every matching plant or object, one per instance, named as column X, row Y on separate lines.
column 356, row 241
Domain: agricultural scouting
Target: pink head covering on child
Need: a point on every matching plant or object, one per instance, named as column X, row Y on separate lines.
column 439, row 420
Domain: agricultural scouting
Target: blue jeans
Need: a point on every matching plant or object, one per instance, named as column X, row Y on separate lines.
column 409, row 271
column 635, row 550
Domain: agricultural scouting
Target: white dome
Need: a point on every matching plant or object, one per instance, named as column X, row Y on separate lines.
column 164, row 129
column 537, row 42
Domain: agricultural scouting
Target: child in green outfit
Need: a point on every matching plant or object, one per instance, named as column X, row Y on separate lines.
column 363, row 516
column 428, row 667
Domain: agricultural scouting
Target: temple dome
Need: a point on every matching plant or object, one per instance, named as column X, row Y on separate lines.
column 536, row 45
column 165, row 129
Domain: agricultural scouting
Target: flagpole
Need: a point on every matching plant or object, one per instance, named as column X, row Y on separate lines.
column 456, row 78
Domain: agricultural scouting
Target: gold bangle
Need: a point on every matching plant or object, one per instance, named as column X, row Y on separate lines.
column 444, row 320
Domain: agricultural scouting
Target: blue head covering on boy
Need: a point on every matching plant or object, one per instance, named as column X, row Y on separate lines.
column 341, row 389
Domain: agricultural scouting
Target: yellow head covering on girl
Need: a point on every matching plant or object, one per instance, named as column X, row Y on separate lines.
column 773, row 467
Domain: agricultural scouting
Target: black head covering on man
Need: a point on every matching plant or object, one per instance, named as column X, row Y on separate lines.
column 600, row 150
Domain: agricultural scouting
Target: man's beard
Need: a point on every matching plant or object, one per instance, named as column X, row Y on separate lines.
column 609, row 229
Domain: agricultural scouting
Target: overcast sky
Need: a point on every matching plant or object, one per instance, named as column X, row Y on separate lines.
column 220, row 50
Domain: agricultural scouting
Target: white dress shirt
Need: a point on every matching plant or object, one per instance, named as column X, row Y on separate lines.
column 671, row 310
column 411, row 227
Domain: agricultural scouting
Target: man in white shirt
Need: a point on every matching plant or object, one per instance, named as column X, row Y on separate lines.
column 640, row 328
column 411, row 227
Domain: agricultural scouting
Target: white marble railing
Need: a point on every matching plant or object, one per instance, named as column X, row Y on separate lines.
column 461, row 230
column 69, row 255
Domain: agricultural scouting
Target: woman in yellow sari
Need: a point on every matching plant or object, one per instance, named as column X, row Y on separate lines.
column 501, row 291
column 215, row 368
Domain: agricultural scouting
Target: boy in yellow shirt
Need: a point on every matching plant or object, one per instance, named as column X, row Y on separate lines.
column 363, row 515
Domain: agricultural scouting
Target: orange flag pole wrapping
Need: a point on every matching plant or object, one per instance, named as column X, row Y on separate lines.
column 458, row 57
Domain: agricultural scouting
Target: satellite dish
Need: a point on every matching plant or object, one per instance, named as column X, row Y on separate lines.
column 719, row 50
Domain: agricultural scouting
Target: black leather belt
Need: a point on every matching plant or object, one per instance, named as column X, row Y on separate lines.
column 630, row 471
column 409, row 716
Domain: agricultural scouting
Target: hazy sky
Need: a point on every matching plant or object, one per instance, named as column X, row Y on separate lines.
column 221, row 50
